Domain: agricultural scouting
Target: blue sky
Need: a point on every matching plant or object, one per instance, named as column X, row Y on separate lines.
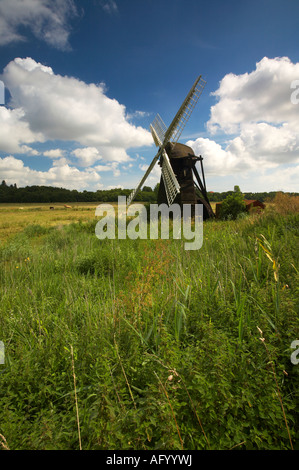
column 85, row 78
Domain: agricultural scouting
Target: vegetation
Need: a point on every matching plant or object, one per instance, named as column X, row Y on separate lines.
column 233, row 205
column 139, row 344
column 48, row 194
column 261, row 196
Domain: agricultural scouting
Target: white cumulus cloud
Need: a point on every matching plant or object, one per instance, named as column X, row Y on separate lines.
column 46, row 106
column 60, row 174
column 54, row 153
column 15, row 131
column 256, row 118
column 262, row 95
column 87, row 156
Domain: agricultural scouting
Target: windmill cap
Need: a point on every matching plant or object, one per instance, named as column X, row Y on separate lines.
column 178, row 150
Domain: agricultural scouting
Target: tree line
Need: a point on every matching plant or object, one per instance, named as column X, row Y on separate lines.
column 49, row 194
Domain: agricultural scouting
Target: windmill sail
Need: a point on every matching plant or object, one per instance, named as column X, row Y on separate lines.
column 172, row 186
column 158, row 130
column 148, row 171
column 182, row 116
column 162, row 135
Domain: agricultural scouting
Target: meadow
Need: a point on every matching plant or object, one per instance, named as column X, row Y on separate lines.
column 15, row 217
column 141, row 345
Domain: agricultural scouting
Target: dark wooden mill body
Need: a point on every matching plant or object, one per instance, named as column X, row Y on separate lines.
column 192, row 186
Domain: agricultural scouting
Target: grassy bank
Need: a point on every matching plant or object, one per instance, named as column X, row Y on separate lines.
column 139, row 344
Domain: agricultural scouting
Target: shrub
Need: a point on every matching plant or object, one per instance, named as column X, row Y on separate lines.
column 286, row 204
column 232, row 206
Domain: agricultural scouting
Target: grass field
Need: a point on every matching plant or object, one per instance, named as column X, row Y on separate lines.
column 16, row 217
column 139, row 344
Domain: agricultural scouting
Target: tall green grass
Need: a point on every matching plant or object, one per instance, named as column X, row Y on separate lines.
column 139, row 344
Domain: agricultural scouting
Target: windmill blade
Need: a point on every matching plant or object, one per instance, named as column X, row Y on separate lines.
column 172, row 187
column 145, row 176
column 168, row 175
column 137, row 189
column 162, row 135
column 182, row 116
column 158, row 130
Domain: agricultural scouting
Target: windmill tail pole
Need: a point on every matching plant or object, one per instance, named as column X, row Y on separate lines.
column 203, row 173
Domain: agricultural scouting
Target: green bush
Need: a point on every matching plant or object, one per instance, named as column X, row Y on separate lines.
column 232, row 206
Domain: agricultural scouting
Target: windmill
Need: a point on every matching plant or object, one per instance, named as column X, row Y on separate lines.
column 180, row 180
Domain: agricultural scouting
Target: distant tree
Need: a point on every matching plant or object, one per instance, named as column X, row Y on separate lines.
column 49, row 194
column 148, row 189
column 233, row 205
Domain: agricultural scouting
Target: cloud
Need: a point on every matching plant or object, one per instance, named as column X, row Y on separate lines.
column 257, row 119
column 154, row 176
column 47, row 106
column 137, row 115
column 258, row 146
column 262, row 95
column 29, row 151
column 109, row 6
column 54, row 153
column 119, row 186
column 47, row 20
column 61, row 174
column 217, row 161
column 109, row 167
column 281, row 179
column 15, row 131
column 86, row 156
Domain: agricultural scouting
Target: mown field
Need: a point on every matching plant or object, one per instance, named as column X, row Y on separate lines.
column 139, row 344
